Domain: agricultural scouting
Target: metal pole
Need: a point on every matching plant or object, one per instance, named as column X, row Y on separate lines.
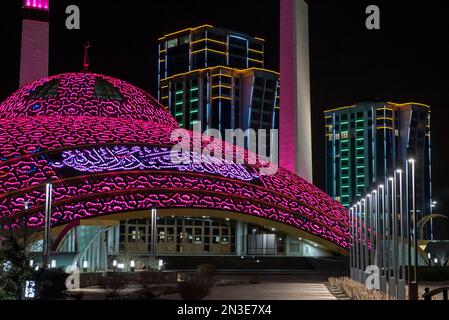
column 401, row 221
column 415, row 236
column 351, row 247
column 392, row 260
column 376, row 222
column 47, row 224
column 391, row 227
column 365, row 231
column 401, row 276
column 153, row 232
column 387, row 229
column 394, row 220
column 382, row 189
column 359, row 204
column 356, row 235
column 371, row 228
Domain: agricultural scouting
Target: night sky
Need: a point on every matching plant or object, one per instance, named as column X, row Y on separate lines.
column 407, row 60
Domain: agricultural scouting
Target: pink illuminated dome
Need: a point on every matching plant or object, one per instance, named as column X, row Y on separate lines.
column 84, row 94
column 104, row 145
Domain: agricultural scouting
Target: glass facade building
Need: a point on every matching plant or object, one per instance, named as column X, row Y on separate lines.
column 216, row 76
column 367, row 142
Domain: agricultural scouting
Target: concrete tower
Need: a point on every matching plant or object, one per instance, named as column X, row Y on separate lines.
column 34, row 50
column 295, row 126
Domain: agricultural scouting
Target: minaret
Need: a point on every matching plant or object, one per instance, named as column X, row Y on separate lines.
column 295, row 126
column 34, row 51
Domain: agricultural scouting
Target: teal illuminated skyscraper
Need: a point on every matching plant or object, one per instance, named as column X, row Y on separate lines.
column 367, row 142
column 216, row 76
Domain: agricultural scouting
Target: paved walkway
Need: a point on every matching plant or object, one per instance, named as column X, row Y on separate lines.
column 272, row 288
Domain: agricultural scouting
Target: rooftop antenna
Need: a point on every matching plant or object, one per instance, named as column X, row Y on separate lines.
column 86, row 56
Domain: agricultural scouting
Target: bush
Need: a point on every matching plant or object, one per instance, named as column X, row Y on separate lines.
column 112, row 285
column 356, row 290
column 51, row 284
column 194, row 289
column 207, row 270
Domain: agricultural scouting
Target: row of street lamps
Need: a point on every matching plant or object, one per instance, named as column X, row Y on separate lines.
column 383, row 227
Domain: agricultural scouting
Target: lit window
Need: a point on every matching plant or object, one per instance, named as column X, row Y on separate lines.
column 172, row 43
column 183, row 40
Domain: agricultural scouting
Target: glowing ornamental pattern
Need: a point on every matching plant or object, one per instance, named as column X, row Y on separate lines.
column 119, row 150
column 36, row 4
column 123, row 158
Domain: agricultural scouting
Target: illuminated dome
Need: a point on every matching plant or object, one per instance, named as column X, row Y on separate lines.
column 104, row 144
column 84, row 94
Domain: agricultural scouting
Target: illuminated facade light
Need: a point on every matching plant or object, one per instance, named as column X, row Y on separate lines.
column 36, row 4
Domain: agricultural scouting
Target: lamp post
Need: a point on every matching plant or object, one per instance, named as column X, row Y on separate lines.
column 351, row 248
column 394, row 218
column 355, row 241
column 414, row 292
column 364, row 239
column 371, row 227
column 376, row 223
column 153, row 231
column 383, row 257
column 47, row 223
column 401, row 255
column 360, row 250
column 392, row 240
column 433, row 204
column 387, row 229
column 356, row 244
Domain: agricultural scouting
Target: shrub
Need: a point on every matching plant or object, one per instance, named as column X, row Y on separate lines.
column 356, row 290
column 51, row 284
column 207, row 270
column 112, row 285
column 194, row 289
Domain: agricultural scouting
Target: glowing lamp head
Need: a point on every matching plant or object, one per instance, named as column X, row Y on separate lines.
column 36, row 4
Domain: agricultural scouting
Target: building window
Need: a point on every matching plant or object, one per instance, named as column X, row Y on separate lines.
column 172, row 43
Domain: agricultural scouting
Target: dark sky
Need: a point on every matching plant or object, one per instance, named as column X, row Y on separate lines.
column 407, row 60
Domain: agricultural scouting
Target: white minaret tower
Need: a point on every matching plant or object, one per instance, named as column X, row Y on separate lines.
column 295, row 114
column 35, row 31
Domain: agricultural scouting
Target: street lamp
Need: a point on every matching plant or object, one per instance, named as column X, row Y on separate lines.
column 360, row 246
column 351, row 248
column 392, row 237
column 376, row 224
column 381, row 191
column 364, row 237
column 47, row 223
column 355, row 259
column 153, row 231
column 414, row 291
column 401, row 275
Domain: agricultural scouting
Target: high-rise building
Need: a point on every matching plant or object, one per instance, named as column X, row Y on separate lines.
column 217, row 76
column 367, row 142
column 295, row 131
column 35, row 38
